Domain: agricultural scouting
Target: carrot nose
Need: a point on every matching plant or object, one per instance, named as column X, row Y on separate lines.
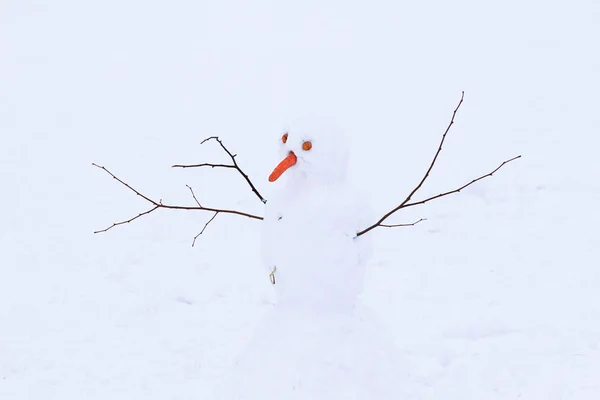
column 282, row 167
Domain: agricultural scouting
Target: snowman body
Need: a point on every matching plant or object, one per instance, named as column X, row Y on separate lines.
column 309, row 238
column 318, row 341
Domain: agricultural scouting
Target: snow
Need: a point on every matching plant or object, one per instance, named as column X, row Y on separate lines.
column 494, row 296
column 317, row 228
column 315, row 342
column 309, row 233
column 328, row 355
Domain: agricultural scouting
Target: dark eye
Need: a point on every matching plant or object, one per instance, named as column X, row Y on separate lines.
column 306, row 146
column 284, row 138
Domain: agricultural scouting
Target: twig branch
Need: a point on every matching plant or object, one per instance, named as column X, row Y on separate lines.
column 194, row 195
column 128, row 221
column 234, row 165
column 437, row 153
column 160, row 204
column 405, row 205
column 406, row 202
column 203, row 229
column 462, row 187
column 203, row 165
column 397, row 225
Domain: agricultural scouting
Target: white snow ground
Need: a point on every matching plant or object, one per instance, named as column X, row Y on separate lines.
column 495, row 296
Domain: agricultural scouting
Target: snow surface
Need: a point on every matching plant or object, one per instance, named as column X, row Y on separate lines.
column 495, row 296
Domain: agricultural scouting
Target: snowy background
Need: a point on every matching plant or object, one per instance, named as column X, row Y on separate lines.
column 495, row 296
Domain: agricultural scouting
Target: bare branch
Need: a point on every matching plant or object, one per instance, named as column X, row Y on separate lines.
column 462, row 187
column 397, row 225
column 378, row 223
column 194, row 195
column 129, row 220
column 406, row 202
column 203, row 165
column 203, row 229
column 160, row 204
column 214, row 138
column 437, row 153
column 234, row 165
column 126, row 185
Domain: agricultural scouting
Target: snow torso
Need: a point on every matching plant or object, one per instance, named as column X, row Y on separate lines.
column 310, row 237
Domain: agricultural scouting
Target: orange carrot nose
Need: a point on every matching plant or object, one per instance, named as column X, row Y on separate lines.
column 283, row 165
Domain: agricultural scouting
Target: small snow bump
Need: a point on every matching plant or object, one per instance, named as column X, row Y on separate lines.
column 185, row 300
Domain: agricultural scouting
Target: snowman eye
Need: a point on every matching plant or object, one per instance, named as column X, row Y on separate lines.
column 306, row 146
column 284, row 138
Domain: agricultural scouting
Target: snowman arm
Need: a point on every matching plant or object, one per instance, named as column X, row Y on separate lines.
column 411, row 194
column 204, row 227
column 398, row 225
column 416, row 203
column 159, row 204
column 234, row 165
column 407, row 203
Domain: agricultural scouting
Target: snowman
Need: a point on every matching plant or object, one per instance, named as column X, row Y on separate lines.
column 310, row 247
column 319, row 341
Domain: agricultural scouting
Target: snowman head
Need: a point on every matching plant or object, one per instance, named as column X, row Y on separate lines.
column 314, row 152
